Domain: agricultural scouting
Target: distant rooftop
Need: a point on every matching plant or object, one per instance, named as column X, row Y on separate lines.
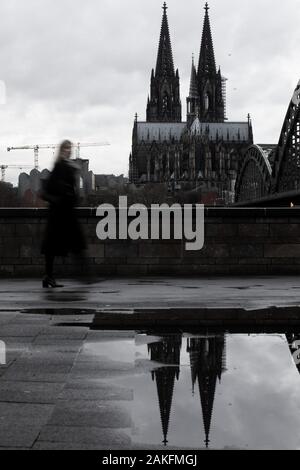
column 165, row 131
column 227, row 130
column 149, row 131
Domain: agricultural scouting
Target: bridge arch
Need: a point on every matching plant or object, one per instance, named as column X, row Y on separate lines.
column 284, row 161
column 254, row 178
column 286, row 170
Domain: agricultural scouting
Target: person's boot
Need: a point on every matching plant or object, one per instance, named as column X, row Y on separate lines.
column 50, row 282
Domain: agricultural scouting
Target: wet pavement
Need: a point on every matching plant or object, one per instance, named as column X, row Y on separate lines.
column 242, row 291
column 69, row 383
column 76, row 388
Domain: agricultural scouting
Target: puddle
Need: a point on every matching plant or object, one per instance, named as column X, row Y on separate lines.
column 220, row 387
column 110, row 292
column 54, row 296
column 205, row 390
column 191, row 287
column 239, row 287
column 180, row 317
column 58, row 311
column 244, row 287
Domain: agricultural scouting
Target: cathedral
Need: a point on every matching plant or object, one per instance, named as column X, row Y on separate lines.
column 202, row 153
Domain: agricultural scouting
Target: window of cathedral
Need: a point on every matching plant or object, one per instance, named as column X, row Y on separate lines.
column 165, row 102
column 206, row 102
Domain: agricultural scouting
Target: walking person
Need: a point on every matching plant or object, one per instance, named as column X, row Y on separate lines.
column 63, row 233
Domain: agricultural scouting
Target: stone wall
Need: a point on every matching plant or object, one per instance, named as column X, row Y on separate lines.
column 237, row 241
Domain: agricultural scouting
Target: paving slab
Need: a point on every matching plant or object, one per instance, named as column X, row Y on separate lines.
column 17, row 330
column 56, row 332
column 83, row 373
column 91, row 413
column 57, row 343
column 20, row 424
column 29, row 392
column 6, row 317
column 45, row 359
column 34, row 374
column 42, row 445
column 85, row 435
column 92, row 390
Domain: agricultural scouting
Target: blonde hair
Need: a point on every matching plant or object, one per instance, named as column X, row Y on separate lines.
column 63, row 145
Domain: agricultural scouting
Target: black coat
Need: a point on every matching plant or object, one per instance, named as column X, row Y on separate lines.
column 63, row 232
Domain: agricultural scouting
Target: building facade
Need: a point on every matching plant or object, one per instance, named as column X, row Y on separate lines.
column 202, row 153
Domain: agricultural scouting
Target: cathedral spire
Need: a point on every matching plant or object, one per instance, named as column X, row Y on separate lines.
column 210, row 82
column 193, row 83
column 165, row 64
column 207, row 63
column 165, row 103
column 193, row 98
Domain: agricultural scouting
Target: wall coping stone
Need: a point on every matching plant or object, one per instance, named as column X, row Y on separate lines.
column 238, row 212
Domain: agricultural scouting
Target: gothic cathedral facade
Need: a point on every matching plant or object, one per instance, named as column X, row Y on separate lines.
column 201, row 154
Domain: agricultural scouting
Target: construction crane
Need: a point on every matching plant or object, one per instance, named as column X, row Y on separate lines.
column 4, row 168
column 36, row 149
column 80, row 145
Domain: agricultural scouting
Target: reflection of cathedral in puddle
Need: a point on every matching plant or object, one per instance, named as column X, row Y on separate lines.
column 207, row 359
column 207, row 362
column 167, row 351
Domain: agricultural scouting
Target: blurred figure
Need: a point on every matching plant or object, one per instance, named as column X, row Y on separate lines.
column 63, row 232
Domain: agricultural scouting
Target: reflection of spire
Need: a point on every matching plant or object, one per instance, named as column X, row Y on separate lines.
column 207, row 359
column 294, row 348
column 193, row 347
column 167, row 351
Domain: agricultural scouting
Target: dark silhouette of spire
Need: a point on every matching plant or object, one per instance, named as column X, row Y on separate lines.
column 207, row 63
column 193, row 82
column 164, row 104
column 207, row 388
column 207, row 361
column 193, row 100
column 165, row 381
column 210, row 83
column 167, row 351
column 165, row 64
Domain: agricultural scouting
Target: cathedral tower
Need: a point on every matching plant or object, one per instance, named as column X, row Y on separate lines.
column 164, row 103
column 210, row 82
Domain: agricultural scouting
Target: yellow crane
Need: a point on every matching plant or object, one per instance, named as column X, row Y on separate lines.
column 36, row 149
column 3, row 169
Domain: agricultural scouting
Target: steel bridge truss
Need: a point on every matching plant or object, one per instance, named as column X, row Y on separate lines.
column 257, row 179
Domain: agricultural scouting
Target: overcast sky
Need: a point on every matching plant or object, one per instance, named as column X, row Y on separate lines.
column 81, row 69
